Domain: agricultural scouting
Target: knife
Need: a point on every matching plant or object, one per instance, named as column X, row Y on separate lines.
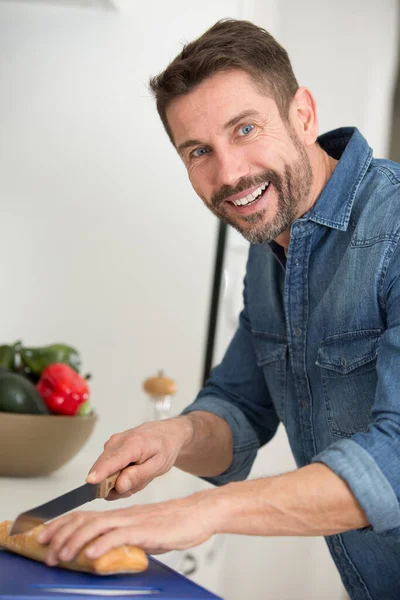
column 85, row 493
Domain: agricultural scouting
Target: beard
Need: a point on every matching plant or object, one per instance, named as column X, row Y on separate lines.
column 292, row 188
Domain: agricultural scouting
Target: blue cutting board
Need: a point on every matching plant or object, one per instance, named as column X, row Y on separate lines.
column 25, row 579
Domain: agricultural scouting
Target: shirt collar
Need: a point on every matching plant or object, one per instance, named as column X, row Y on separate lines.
column 333, row 207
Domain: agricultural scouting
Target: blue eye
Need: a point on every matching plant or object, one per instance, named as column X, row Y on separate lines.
column 245, row 130
column 199, row 152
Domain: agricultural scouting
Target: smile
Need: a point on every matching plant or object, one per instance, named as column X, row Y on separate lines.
column 252, row 197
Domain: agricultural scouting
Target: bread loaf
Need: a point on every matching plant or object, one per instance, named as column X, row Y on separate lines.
column 124, row 559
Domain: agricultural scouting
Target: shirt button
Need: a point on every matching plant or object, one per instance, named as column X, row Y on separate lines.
column 338, row 550
column 297, row 331
column 297, row 262
column 343, row 362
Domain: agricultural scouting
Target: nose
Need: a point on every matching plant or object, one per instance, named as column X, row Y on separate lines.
column 230, row 167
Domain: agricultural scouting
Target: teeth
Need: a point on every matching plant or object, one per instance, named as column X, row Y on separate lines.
column 251, row 197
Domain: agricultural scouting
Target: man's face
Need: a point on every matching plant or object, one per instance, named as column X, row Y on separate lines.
column 248, row 166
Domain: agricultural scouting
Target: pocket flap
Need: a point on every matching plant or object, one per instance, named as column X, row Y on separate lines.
column 347, row 351
column 269, row 347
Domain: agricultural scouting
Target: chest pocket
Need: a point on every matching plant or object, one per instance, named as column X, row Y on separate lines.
column 271, row 352
column 348, row 372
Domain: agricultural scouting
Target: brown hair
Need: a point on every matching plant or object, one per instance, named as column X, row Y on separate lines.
column 229, row 44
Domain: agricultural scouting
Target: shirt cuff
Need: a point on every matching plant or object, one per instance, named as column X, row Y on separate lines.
column 245, row 440
column 355, row 465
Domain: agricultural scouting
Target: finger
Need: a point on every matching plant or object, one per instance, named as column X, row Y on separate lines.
column 133, row 479
column 50, row 529
column 109, row 462
column 61, row 538
column 94, row 527
column 112, row 539
column 133, row 536
column 113, row 495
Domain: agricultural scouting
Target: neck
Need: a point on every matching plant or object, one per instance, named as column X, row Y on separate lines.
column 322, row 166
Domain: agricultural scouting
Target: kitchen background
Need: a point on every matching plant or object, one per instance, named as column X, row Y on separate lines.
column 105, row 246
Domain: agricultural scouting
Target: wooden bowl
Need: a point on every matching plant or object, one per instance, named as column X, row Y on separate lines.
column 33, row 445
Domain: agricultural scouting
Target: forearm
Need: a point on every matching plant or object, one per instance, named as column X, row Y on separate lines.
column 310, row 501
column 207, row 449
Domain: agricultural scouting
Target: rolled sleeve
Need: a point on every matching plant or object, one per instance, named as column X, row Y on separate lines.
column 245, row 441
column 376, row 496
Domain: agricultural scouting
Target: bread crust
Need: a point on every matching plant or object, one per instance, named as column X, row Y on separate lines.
column 124, row 559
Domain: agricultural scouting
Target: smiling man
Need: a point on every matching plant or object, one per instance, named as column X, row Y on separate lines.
column 252, row 171
column 318, row 341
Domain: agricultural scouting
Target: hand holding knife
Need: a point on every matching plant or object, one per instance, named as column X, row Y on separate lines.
column 62, row 504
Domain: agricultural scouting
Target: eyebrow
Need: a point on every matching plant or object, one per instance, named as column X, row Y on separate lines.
column 243, row 115
column 231, row 123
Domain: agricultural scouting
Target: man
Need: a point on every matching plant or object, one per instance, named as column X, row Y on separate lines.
column 317, row 346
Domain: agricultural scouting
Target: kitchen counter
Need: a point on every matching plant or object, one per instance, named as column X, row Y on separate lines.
column 18, row 494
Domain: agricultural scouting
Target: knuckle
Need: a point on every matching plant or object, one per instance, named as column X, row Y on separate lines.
column 160, row 465
column 48, row 531
column 111, row 454
column 57, row 541
column 78, row 517
column 96, row 520
column 113, row 439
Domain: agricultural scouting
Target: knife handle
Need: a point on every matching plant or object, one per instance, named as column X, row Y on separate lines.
column 108, row 484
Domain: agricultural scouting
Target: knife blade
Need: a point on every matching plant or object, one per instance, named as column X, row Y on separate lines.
column 62, row 504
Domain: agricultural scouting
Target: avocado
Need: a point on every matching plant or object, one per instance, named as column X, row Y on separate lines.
column 19, row 395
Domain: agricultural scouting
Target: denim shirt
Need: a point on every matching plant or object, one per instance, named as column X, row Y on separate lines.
column 318, row 349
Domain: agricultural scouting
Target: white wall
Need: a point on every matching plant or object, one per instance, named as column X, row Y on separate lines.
column 104, row 244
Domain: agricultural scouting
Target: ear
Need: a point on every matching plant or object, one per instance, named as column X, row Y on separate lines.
column 304, row 115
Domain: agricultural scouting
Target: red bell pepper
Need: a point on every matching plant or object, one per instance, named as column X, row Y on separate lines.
column 62, row 389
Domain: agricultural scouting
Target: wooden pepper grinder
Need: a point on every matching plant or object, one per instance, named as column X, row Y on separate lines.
column 160, row 390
